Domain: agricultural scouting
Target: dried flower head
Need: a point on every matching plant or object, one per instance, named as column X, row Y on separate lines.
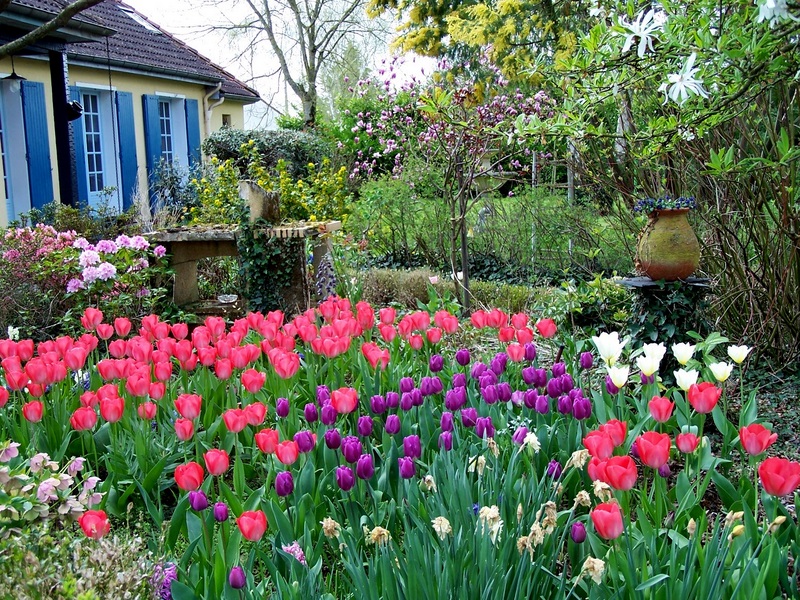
column 582, row 498
column 379, row 536
column 732, row 517
column 578, row 459
column 691, row 528
column 442, row 527
column 594, row 568
column 780, row 520
column 491, row 445
column 428, row 484
column 602, row 490
column 490, row 521
column 330, row 528
column 476, row 463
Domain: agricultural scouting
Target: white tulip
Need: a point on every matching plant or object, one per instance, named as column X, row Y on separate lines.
column 655, row 351
column 683, row 352
column 738, row 353
column 619, row 375
column 609, row 346
column 721, row 370
column 647, row 365
column 685, row 379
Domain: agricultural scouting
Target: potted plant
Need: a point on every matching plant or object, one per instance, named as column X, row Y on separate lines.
column 667, row 248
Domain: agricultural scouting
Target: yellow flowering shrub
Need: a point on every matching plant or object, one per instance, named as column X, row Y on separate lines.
column 218, row 201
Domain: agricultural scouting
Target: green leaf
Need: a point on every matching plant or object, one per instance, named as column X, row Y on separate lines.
column 180, row 591
column 652, row 581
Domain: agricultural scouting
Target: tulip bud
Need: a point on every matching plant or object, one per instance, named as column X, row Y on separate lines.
column 407, row 467
column 282, row 408
column 392, row 424
column 365, row 468
column 582, row 408
column 406, row 385
column 333, row 439
column 323, row 395
column 519, row 435
column 610, row 387
column 462, row 357
column 484, row 427
column 578, row 533
column 284, row 483
column 586, row 362
column 310, row 412
column 530, row 352
column 469, row 416
column 554, row 469
column 446, row 421
column 559, row 369
column 198, row 500
column 237, row 579
column 664, row 470
column 436, row 363
column 377, row 405
column 345, row 479
column 542, row 404
column 364, row 426
column 329, row 414
column 446, row 440
column 564, row 405
column 220, row 512
column 406, row 401
column 392, row 399
column 459, row 380
column 478, row 369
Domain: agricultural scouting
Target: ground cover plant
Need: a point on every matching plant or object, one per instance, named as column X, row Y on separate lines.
column 360, row 452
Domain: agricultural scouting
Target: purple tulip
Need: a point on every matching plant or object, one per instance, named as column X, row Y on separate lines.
column 530, row 398
column 518, row 397
column 462, row 357
column 377, row 405
column 310, row 412
column 416, row 397
column 365, row 468
column 554, row 469
column 198, row 500
column 635, row 450
column 586, row 361
column 582, row 408
column 542, row 405
column 407, row 467
column 610, row 387
column 237, row 579
column 477, row 370
column 554, row 388
column 566, row 382
column 446, row 440
column 284, row 483
column 528, row 375
column 392, row 399
column 323, row 395
column 427, row 387
column 564, row 405
column 436, row 384
column 364, row 426
column 455, row 398
column 469, row 416
column 345, row 479
column 484, row 427
column 647, row 379
column 459, row 380
column 497, row 366
column 329, row 415
column 530, row 352
column 664, row 470
column 333, row 439
column 446, row 422
column 436, row 363
column 392, row 424
column 488, row 378
column 578, row 532
column 575, row 393
column 305, row 441
column 351, row 448
column 406, row 385
column 503, row 391
column 282, row 408
column 539, row 378
column 220, row 512
column 406, row 401
column 489, row 394
column 559, row 369
column 519, row 435
column 412, row 447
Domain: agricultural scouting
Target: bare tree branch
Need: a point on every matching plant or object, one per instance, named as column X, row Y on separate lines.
column 45, row 29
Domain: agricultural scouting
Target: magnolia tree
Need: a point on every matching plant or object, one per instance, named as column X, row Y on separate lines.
column 463, row 133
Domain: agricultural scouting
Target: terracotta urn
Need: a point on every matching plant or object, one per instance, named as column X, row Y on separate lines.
column 668, row 248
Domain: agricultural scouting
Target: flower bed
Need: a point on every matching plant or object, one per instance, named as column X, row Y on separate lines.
column 349, row 453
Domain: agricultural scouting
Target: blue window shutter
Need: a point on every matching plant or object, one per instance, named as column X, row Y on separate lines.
column 152, row 140
column 193, row 131
column 127, row 147
column 79, row 139
column 34, row 115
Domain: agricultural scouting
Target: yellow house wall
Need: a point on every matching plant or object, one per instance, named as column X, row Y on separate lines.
column 138, row 85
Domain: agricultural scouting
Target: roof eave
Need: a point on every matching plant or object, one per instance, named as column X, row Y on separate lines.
column 25, row 17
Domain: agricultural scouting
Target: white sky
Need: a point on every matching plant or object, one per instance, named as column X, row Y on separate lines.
column 189, row 20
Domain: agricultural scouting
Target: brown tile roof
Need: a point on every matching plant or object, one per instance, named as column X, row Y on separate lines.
column 136, row 47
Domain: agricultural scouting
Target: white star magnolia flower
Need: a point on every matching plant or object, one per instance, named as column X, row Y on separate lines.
column 773, row 11
column 680, row 86
column 643, row 27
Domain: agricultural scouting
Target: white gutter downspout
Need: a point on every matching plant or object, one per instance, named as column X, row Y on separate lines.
column 209, row 109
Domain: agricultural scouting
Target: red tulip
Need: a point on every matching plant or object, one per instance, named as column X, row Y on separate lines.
column 36, row 370
column 704, row 396
column 180, row 331
column 36, row 390
column 75, row 358
column 94, row 524
column 253, row 380
column 3, row 396
column 434, row 335
column 607, row 520
column 620, row 472
column 267, row 440
column 252, row 524
column 344, row 400
column 286, row 364
column 599, row 444
column 223, row 368
column 416, row 342
column 188, row 405
column 519, row 320
column 91, row 318
column 516, row 352
column 17, row 380
column 255, row 413
column 207, row 356
column 686, row 442
column 524, row 335
column 388, row 332
column 546, row 328
column 108, row 390
column 157, row 390
column 122, row 326
column 108, row 369
column 506, row 334
column 596, row 469
column 105, row 331
column 138, row 384
column 184, row 429
column 287, row 452
column 653, row 448
column 32, row 411
column 375, row 356
column 112, row 409
column 387, row 315
column 147, row 411
column 189, row 476
column 162, row 371
column 660, row 409
column 25, row 349
column 235, row 419
column 478, row 319
column 756, row 438
column 83, row 419
column 617, row 430
column 217, row 461
column 496, row 318
column 779, row 476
